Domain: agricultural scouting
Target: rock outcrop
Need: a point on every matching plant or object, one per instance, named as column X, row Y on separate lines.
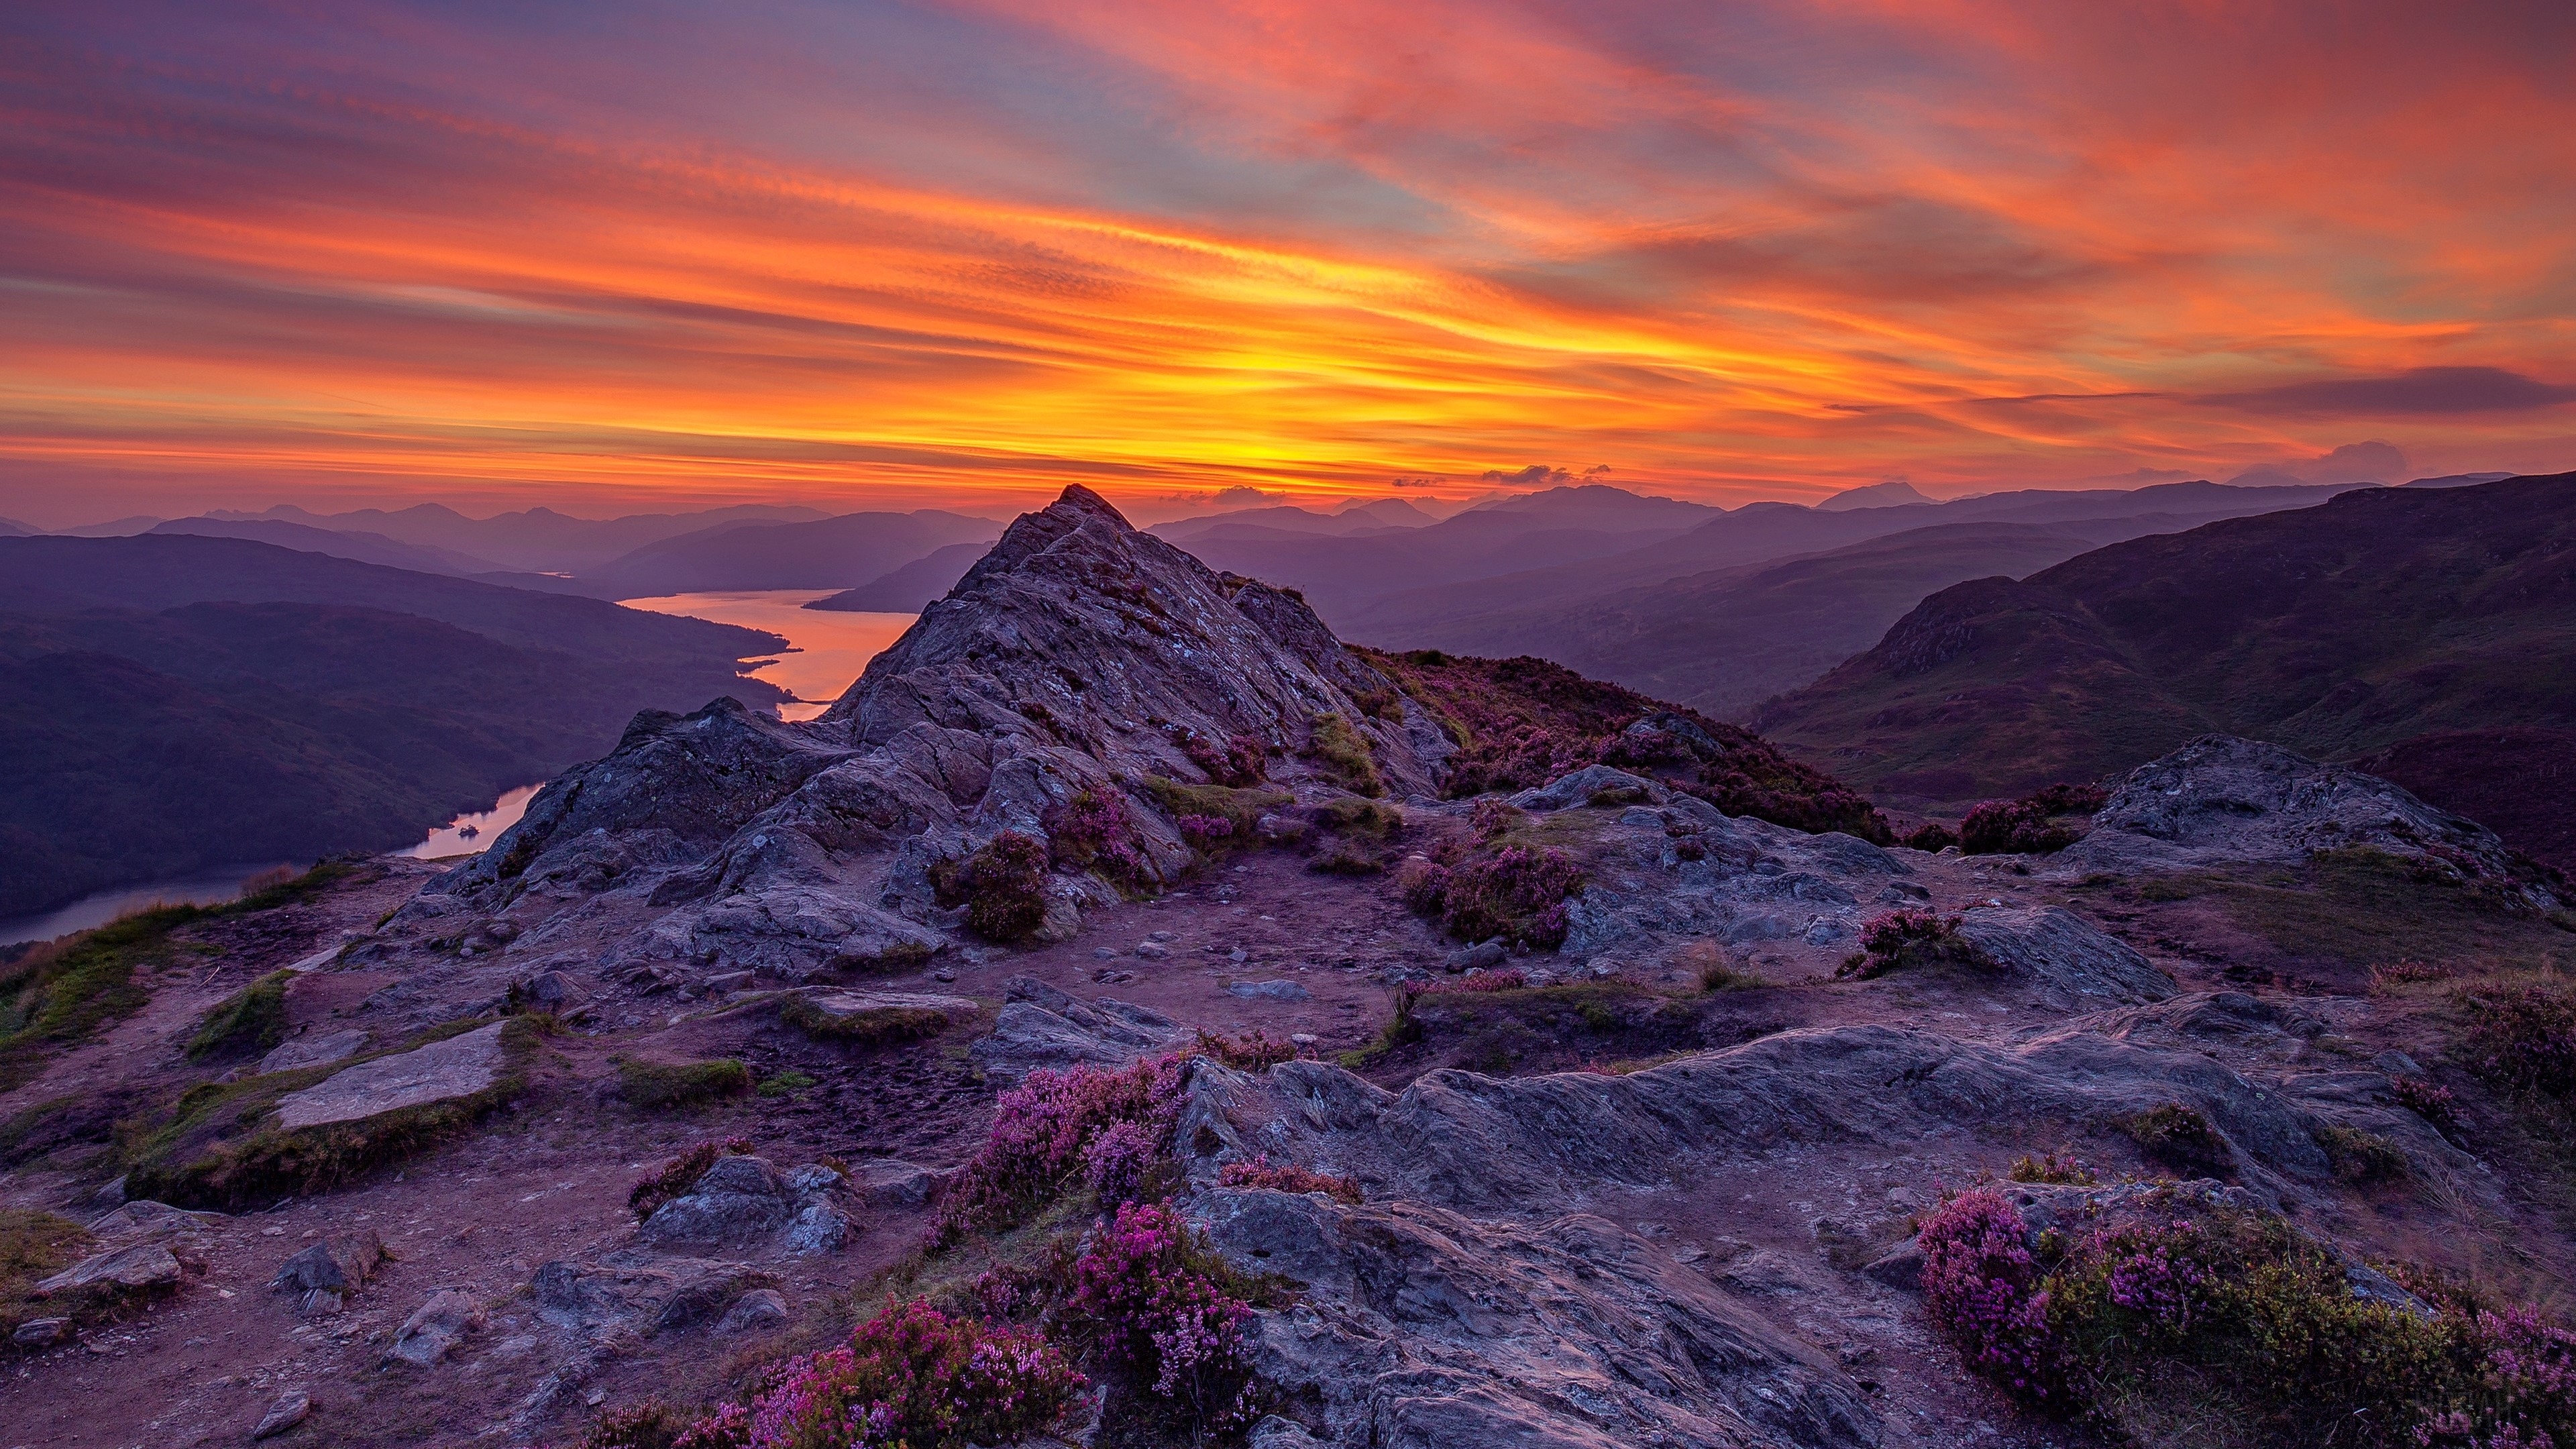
column 443, row 1071
column 2221, row 800
column 1079, row 656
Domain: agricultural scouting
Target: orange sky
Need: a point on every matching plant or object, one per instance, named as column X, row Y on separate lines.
column 609, row 256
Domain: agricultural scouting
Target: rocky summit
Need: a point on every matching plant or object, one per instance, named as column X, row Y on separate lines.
column 1129, row 1017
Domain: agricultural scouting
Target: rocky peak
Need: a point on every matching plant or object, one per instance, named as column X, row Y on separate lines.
column 1080, row 656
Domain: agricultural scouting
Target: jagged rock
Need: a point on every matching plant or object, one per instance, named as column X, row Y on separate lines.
column 1274, row 1432
column 148, row 1220
column 144, row 1265
column 442, row 1071
column 1044, row 1027
column 434, row 1328
column 1577, row 788
column 291, row 1409
column 1422, row 1327
column 2221, row 799
column 324, row 1275
column 315, row 1051
column 708, row 1295
column 606, row 1298
column 743, row 1197
column 1479, row 1144
column 1077, row 654
column 2067, row 954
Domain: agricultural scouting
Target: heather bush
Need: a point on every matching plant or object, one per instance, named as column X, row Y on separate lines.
column 1507, row 978
column 677, row 1175
column 1423, row 884
column 1239, row 763
column 2362, row 1157
column 1288, row 1177
column 1002, row 886
column 2182, row 1139
column 1909, row 940
column 1167, row 1310
column 1493, row 816
column 1931, row 835
column 1239, row 811
column 2048, row 1169
column 2526, row 1039
column 1205, row 832
column 1091, row 831
column 2030, row 825
column 1042, row 1136
column 2427, row 1100
column 910, row 1378
column 1517, row 893
column 2088, row 1319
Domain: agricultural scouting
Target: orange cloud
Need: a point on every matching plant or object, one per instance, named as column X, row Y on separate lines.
column 968, row 255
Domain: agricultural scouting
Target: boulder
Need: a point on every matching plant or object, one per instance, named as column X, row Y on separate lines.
column 743, row 1198
column 1269, row 991
column 2068, row 955
column 324, row 1275
column 314, row 1051
column 443, row 1071
column 144, row 1265
column 1044, row 1027
column 754, row 1312
column 891, row 1182
column 852, row 1007
column 1578, row 787
column 291, row 1409
column 146, row 1220
column 42, row 1332
column 435, row 1328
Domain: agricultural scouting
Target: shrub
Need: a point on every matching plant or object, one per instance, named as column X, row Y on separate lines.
column 1931, row 835
column 1909, row 940
column 1709, row 965
column 1984, row 1289
column 1344, row 754
column 1002, row 886
column 1423, row 885
column 1092, row 832
column 1205, row 832
column 1288, row 1177
column 677, row 1175
column 2362, row 1157
column 2427, row 1100
column 656, row 1085
column 1255, row 1051
column 2071, row 1172
column 1508, row 978
column 1492, row 816
column 2406, row 973
column 1517, row 893
column 249, row 1021
column 1346, row 860
column 910, row 1378
column 1042, row 1134
column 2527, row 1039
column 1366, row 819
column 2180, row 1138
column 2029, row 825
column 1240, row 762
column 1163, row 1307
column 648, row 1425
column 1240, row 811
column 2258, row 1319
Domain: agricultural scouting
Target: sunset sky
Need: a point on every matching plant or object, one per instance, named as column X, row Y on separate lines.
column 603, row 256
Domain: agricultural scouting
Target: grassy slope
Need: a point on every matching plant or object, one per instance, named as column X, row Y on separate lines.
column 2338, row 630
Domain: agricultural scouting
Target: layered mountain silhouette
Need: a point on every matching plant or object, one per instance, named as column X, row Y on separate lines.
column 2433, row 630
column 171, row 702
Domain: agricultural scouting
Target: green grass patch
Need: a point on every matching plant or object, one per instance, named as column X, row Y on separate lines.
column 785, row 1084
column 35, row 1246
column 246, row 1023
column 1241, row 809
column 61, row 992
column 1344, row 754
column 2368, row 907
column 659, row 1086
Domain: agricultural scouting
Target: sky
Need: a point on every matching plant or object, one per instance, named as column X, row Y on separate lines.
column 609, row 256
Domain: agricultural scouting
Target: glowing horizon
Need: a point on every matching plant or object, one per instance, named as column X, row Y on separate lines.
column 959, row 255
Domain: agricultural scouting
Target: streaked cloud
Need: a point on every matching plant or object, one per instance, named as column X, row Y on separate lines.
column 966, row 252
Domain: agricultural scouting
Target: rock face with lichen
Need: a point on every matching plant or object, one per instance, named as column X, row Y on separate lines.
column 1080, row 657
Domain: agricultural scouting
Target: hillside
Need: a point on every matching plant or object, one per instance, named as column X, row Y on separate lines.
column 2378, row 617
column 171, row 703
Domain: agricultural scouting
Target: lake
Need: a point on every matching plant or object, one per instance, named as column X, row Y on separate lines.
column 208, row 887
column 826, row 649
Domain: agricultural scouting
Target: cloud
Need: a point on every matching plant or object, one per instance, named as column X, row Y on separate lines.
column 1241, row 496
column 1540, row 475
column 1415, row 482
column 2368, row 462
column 2418, row 390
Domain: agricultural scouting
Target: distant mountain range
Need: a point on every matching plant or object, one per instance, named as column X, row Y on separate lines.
column 824, row 553
column 2418, row 626
column 170, row 702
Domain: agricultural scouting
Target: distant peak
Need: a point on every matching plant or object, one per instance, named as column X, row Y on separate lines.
column 1894, row 493
column 1079, row 499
